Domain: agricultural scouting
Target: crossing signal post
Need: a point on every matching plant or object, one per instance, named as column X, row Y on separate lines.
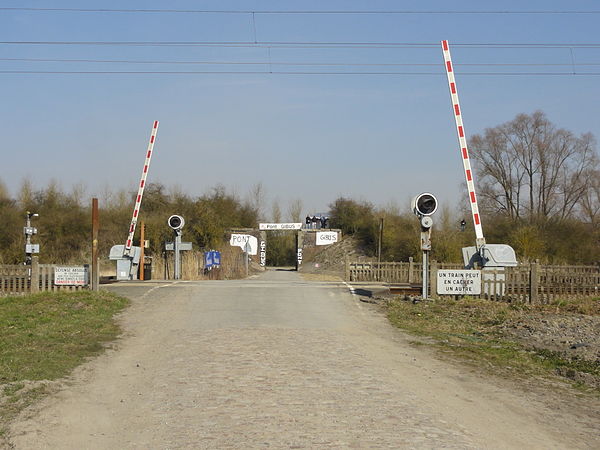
column 423, row 206
column 176, row 223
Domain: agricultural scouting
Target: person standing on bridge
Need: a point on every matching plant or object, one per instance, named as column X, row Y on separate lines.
column 323, row 222
column 315, row 221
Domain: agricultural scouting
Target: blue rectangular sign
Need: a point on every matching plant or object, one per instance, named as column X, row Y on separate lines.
column 216, row 258
column 208, row 259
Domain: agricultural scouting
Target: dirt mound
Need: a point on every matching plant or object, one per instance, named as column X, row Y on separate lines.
column 573, row 337
column 331, row 259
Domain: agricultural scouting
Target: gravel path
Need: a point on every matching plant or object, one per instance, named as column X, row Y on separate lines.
column 277, row 362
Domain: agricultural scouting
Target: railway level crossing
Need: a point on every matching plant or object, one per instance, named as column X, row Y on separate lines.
column 482, row 254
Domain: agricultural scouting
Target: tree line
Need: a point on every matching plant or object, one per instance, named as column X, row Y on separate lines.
column 64, row 222
column 538, row 185
column 539, row 191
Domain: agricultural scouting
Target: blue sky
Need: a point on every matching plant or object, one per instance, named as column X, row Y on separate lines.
column 382, row 138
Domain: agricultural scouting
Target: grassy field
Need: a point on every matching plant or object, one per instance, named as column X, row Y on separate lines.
column 44, row 336
column 471, row 329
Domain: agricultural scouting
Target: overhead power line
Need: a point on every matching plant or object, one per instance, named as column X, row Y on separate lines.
column 310, row 44
column 273, row 72
column 287, row 63
column 292, row 12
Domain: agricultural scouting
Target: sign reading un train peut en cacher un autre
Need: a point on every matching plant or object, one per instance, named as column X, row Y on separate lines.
column 459, row 282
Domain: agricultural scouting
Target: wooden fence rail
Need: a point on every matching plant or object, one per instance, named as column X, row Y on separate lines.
column 21, row 279
column 531, row 282
column 391, row 272
column 15, row 279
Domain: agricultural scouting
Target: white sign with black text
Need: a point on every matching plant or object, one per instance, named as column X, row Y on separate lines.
column 326, row 237
column 240, row 240
column 263, row 253
column 459, row 282
column 279, row 226
column 70, row 276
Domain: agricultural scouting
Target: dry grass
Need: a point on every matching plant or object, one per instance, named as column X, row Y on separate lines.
column 45, row 336
column 469, row 328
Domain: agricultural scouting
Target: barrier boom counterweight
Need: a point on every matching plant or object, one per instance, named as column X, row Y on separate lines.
column 140, row 194
column 462, row 140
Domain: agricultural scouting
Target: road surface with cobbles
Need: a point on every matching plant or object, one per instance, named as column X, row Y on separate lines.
column 278, row 362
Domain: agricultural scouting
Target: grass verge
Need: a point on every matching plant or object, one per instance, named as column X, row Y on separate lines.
column 44, row 337
column 471, row 329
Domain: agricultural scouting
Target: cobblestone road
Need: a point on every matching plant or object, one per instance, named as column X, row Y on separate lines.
column 277, row 362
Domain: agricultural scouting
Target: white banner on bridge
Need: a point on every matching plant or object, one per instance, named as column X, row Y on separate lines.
column 239, row 240
column 70, row 276
column 459, row 282
column 326, row 237
column 279, row 226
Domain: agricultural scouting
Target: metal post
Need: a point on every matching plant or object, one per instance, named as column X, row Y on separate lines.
column 142, row 236
column 176, row 245
column 379, row 247
column 247, row 257
column 28, row 240
column 95, row 275
column 426, row 247
column 425, row 274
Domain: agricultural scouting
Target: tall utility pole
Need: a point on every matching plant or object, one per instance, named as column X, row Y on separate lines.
column 95, row 281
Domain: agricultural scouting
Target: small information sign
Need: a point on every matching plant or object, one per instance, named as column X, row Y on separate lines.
column 279, row 226
column 326, row 237
column 241, row 240
column 459, row 282
column 70, row 275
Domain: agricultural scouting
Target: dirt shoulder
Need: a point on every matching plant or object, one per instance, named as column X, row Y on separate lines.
column 558, row 341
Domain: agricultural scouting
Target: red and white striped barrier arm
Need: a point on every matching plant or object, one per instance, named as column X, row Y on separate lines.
column 462, row 140
column 142, row 185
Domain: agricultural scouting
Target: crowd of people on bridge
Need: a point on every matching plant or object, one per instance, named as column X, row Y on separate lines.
column 316, row 222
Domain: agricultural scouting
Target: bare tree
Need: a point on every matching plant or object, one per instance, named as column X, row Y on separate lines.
column 295, row 210
column 529, row 168
column 25, row 194
column 500, row 183
column 256, row 199
column 275, row 212
column 4, row 194
column 590, row 205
